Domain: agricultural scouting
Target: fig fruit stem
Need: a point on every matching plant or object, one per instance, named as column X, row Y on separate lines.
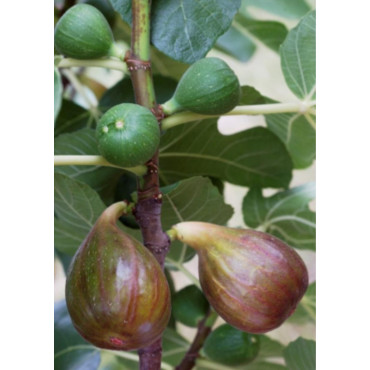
column 204, row 329
column 93, row 160
column 149, row 204
column 110, row 63
column 248, row 110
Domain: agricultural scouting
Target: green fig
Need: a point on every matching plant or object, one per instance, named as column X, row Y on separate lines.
column 230, row 346
column 253, row 280
column 209, row 86
column 84, row 33
column 116, row 292
column 128, row 135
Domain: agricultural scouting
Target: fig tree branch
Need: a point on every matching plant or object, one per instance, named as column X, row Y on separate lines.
column 93, row 160
column 149, row 204
column 204, row 329
column 242, row 110
column 110, row 63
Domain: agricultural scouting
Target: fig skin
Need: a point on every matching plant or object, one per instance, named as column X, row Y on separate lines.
column 253, row 280
column 209, row 86
column 116, row 292
column 128, row 135
column 84, row 33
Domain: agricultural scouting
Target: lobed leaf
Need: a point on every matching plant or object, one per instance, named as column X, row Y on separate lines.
column 285, row 214
column 71, row 117
column 77, row 207
column 102, row 179
column 185, row 30
column 270, row 33
column 71, row 351
column 290, row 9
column 301, row 354
column 298, row 58
column 298, row 133
column 194, row 199
column 254, row 157
column 236, row 44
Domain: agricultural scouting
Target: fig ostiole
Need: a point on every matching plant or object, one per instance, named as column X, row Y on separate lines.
column 116, row 292
column 209, row 87
column 84, row 33
column 252, row 279
column 128, row 135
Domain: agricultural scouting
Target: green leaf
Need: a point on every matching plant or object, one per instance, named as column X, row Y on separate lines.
column 290, row 9
column 250, row 96
column 254, row 157
column 265, row 366
column 270, row 33
column 166, row 66
column 189, row 306
column 301, row 355
column 298, row 133
column 269, row 348
column 102, row 179
column 285, row 214
column 122, row 92
column 58, row 92
column 189, row 200
column 71, row 351
column 174, row 347
column 306, row 309
column 71, row 117
column 77, row 207
column 298, row 58
column 109, row 361
column 236, row 44
column 185, row 30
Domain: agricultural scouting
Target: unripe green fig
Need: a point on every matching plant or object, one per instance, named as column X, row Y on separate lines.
column 253, row 280
column 231, row 346
column 128, row 135
column 84, row 33
column 116, row 292
column 189, row 306
column 209, row 86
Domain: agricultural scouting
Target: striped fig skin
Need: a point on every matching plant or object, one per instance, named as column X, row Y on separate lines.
column 253, row 280
column 116, row 292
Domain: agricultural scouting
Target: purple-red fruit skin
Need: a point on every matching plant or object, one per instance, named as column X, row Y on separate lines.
column 253, row 280
column 116, row 292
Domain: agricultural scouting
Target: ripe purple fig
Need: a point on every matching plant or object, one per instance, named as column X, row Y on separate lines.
column 116, row 292
column 253, row 280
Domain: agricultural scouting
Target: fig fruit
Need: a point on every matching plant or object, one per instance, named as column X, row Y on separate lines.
column 253, row 280
column 84, row 33
column 116, row 292
column 209, row 86
column 128, row 135
column 231, row 346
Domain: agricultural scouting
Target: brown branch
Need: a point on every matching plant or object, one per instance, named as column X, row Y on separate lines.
column 148, row 208
column 188, row 362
